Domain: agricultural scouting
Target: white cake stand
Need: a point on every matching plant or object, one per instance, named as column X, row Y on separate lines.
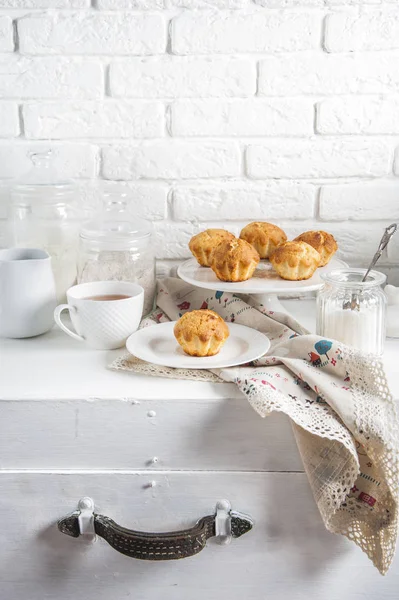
column 265, row 282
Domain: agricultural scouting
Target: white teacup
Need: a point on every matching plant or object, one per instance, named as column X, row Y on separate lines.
column 100, row 321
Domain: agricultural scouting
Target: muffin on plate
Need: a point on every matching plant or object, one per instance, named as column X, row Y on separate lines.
column 295, row 260
column 203, row 244
column 321, row 241
column 234, row 260
column 264, row 237
column 201, row 332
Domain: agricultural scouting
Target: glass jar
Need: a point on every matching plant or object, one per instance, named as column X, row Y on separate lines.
column 118, row 245
column 43, row 213
column 351, row 311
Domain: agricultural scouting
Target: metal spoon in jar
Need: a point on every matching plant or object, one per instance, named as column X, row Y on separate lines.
column 354, row 303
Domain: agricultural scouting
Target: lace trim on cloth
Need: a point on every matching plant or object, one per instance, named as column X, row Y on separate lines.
column 131, row 363
column 376, row 423
column 343, row 415
column 339, row 468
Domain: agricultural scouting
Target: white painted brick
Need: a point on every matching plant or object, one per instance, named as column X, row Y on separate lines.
column 392, row 274
column 174, row 76
column 171, row 239
column 239, row 201
column 93, row 33
column 357, row 2
column 289, row 3
column 50, row 77
column 371, row 30
column 70, row 160
column 147, row 200
column 393, row 250
column 242, row 117
column 360, row 201
column 358, row 115
column 316, row 3
column 63, row 120
column 196, row 4
column 45, row 3
column 130, row 4
column 319, row 158
column 230, row 32
column 172, row 160
column 396, row 162
column 159, row 4
column 9, row 119
column 324, row 73
column 6, row 34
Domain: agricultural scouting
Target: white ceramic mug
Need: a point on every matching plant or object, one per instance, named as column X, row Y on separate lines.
column 102, row 324
column 27, row 292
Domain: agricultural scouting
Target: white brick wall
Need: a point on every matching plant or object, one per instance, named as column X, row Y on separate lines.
column 213, row 112
column 182, row 77
column 373, row 30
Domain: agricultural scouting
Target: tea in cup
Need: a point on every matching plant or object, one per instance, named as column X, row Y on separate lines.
column 103, row 313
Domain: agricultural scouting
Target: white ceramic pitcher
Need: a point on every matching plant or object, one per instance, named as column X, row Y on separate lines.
column 27, row 293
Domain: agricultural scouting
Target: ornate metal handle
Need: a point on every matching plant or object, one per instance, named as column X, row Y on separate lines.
column 225, row 524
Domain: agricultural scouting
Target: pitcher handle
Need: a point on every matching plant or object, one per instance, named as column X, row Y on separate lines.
column 57, row 318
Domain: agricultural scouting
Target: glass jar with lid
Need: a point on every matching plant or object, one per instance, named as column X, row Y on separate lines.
column 43, row 212
column 353, row 311
column 118, row 245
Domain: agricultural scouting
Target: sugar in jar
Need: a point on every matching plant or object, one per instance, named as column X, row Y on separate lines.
column 353, row 311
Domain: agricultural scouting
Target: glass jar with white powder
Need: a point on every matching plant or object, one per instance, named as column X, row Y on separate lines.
column 118, row 245
column 352, row 311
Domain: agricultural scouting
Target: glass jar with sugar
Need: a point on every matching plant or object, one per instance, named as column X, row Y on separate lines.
column 353, row 311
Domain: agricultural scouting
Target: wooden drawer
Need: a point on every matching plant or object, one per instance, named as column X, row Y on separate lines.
column 288, row 554
column 218, row 434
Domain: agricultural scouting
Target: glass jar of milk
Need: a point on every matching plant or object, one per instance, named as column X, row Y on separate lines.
column 351, row 311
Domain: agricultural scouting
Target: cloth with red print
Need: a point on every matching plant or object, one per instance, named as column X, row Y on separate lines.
column 343, row 415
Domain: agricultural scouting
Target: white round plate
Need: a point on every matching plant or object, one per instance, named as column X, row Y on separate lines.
column 264, row 280
column 158, row 345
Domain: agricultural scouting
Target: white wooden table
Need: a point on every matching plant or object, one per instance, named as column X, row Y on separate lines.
column 71, row 428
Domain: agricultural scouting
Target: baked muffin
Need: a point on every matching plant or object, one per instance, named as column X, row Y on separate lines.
column 234, row 260
column 264, row 237
column 321, row 241
column 203, row 244
column 295, row 260
column 201, row 332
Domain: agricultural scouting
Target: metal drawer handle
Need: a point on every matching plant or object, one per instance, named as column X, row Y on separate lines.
column 224, row 524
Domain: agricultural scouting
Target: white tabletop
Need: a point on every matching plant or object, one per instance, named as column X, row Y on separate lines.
column 54, row 366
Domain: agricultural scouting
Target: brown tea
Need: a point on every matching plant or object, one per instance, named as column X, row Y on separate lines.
column 108, row 297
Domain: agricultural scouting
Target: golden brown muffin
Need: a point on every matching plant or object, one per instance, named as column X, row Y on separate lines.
column 321, row 241
column 234, row 260
column 264, row 237
column 203, row 244
column 201, row 332
column 295, row 260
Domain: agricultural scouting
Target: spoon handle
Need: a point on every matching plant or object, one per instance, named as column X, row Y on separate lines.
column 388, row 233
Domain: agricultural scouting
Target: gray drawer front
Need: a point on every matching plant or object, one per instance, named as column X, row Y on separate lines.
column 288, row 554
column 224, row 434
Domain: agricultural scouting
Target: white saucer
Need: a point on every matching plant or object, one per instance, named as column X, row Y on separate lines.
column 264, row 280
column 158, row 345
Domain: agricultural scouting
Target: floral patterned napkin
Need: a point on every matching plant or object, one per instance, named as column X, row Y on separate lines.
column 342, row 412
